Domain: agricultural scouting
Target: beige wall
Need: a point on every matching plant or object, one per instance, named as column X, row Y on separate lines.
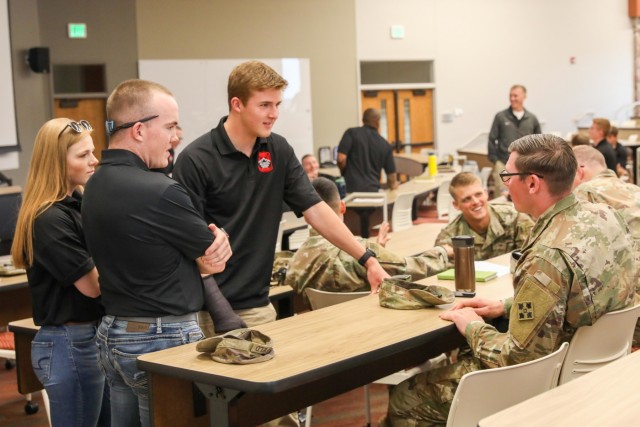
column 111, row 40
column 323, row 31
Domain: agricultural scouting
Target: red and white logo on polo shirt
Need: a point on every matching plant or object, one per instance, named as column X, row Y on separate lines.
column 264, row 162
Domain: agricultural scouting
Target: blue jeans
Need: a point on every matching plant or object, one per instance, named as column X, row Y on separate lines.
column 65, row 360
column 119, row 350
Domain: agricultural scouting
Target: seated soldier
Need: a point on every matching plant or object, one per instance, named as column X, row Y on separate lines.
column 577, row 265
column 321, row 265
column 497, row 228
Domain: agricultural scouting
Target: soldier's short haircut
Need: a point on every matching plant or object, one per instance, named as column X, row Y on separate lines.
column 590, row 157
column 463, row 179
column 328, row 192
column 549, row 156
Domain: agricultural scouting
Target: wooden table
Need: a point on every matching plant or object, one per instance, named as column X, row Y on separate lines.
column 608, row 396
column 23, row 332
column 319, row 354
column 414, row 240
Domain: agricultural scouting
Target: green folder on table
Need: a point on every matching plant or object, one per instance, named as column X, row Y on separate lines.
column 481, row 276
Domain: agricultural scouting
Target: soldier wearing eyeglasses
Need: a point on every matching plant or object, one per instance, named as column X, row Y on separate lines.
column 577, row 264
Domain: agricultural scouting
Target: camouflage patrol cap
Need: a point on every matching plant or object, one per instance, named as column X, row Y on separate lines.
column 401, row 294
column 240, row 346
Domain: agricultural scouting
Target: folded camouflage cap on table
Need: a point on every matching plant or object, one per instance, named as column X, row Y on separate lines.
column 240, row 346
column 399, row 293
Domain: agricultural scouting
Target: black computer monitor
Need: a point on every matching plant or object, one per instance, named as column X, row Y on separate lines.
column 10, row 201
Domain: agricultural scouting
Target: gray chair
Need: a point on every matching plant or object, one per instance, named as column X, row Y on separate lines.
column 408, row 167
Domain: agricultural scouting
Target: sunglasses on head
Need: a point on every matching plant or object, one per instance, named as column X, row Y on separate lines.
column 112, row 128
column 77, row 127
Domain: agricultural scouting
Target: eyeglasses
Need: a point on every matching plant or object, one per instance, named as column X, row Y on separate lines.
column 112, row 128
column 77, row 127
column 506, row 176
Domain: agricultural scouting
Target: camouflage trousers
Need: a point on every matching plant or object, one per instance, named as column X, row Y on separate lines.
column 424, row 400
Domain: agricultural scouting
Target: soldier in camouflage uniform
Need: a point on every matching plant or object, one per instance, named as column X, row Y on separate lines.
column 497, row 228
column 321, row 265
column 577, row 264
column 595, row 183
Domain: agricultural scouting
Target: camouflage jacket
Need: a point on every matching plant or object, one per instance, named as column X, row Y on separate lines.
column 508, row 229
column 577, row 265
column 607, row 188
column 321, row 265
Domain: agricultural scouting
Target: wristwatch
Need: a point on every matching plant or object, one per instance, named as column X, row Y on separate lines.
column 367, row 254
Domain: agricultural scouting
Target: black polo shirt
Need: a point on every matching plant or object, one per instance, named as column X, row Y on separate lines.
column 609, row 154
column 60, row 259
column 244, row 195
column 367, row 154
column 144, row 235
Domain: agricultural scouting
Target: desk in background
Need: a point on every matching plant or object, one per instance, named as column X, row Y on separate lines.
column 315, row 360
column 608, row 396
column 292, row 223
column 358, row 217
column 15, row 298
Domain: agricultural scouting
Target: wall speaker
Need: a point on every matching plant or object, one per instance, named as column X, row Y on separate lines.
column 38, row 59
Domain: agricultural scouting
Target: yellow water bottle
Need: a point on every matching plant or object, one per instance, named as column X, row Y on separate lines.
column 433, row 165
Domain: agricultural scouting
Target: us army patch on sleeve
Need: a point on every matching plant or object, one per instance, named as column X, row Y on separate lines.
column 531, row 305
column 525, row 310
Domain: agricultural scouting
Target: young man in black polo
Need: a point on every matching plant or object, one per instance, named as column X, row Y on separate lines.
column 238, row 176
column 149, row 243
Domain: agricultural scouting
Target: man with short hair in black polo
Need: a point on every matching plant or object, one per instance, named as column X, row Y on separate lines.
column 148, row 242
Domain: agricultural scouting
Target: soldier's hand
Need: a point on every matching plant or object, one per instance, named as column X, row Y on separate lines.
column 484, row 307
column 383, row 234
column 461, row 317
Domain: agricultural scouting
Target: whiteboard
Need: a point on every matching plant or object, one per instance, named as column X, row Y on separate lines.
column 200, row 88
column 9, row 135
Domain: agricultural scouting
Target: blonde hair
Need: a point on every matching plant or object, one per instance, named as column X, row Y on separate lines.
column 46, row 183
column 252, row 76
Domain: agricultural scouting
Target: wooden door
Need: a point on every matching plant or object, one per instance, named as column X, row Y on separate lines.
column 408, row 114
column 91, row 109
column 383, row 100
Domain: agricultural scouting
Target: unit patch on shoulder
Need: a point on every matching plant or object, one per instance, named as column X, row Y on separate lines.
column 525, row 310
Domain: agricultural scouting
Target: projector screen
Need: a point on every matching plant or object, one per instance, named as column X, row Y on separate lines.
column 9, row 135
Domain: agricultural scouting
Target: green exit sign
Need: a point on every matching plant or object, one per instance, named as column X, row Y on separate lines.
column 77, row 30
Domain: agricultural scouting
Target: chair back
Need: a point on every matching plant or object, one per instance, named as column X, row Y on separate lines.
column 444, row 201
column 280, row 232
column 485, row 392
column 607, row 340
column 401, row 216
column 325, row 156
column 297, row 238
column 408, row 167
column 320, row 299
column 485, row 173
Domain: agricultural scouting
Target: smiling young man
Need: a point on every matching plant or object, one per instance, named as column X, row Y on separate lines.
column 497, row 228
column 240, row 173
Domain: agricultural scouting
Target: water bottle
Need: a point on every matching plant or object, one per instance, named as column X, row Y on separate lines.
column 465, row 269
column 342, row 187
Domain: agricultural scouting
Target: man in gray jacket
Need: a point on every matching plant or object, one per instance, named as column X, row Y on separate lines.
column 509, row 125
